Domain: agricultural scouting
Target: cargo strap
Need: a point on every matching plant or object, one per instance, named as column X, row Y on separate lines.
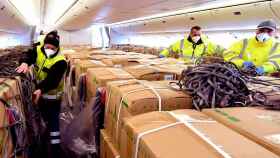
column 188, row 123
column 153, row 89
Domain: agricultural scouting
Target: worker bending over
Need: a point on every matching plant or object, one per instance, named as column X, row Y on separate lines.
column 261, row 51
column 49, row 69
column 191, row 47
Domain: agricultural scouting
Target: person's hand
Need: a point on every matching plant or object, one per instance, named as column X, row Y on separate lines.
column 36, row 96
column 247, row 64
column 23, row 68
column 260, row 71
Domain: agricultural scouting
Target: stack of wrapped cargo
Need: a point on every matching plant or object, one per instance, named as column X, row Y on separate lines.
column 11, row 114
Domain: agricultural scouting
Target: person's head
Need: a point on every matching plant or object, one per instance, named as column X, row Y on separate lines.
column 265, row 30
column 41, row 32
column 51, row 44
column 195, row 33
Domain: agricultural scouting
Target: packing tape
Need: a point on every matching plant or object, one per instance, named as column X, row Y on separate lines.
column 187, row 121
column 149, row 132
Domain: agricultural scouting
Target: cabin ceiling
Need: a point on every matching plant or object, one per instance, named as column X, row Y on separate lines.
column 78, row 14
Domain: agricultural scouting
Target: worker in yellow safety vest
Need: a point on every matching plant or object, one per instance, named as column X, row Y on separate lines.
column 49, row 68
column 261, row 51
column 192, row 47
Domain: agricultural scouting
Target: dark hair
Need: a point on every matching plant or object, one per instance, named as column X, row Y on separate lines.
column 196, row 28
column 52, row 38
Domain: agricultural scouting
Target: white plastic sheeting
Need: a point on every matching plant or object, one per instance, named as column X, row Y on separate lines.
column 12, row 40
column 80, row 37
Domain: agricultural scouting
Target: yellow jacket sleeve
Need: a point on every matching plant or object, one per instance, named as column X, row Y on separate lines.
column 273, row 63
column 212, row 48
column 215, row 49
column 233, row 53
column 174, row 48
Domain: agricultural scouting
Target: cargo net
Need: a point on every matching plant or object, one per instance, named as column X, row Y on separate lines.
column 221, row 84
column 29, row 125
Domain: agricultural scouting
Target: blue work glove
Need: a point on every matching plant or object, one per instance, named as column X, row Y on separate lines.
column 260, row 70
column 247, row 64
column 161, row 56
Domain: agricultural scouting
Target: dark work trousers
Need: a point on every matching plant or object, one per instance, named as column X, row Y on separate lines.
column 50, row 110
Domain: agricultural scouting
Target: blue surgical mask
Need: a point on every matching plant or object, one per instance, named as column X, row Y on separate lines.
column 263, row 37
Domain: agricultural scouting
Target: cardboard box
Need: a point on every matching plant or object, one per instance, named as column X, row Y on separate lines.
column 9, row 91
column 150, row 73
column 185, row 133
column 133, row 97
column 259, row 125
column 73, row 56
column 83, row 65
column 271, row 92
column 173, row 68
column 107, row 148
column 107, row 52
column 6, row 146
column 98, row 77
column 159, row 61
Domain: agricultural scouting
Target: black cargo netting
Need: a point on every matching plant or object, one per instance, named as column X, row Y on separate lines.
column 222, row 84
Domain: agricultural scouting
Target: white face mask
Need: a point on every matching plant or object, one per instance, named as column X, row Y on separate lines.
column 49, row 52
column 263, row 37
column 196, row 39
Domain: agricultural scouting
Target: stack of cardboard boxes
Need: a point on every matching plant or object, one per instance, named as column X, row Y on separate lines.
column 129, row 98
column 144, row 117
column 9, row 93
